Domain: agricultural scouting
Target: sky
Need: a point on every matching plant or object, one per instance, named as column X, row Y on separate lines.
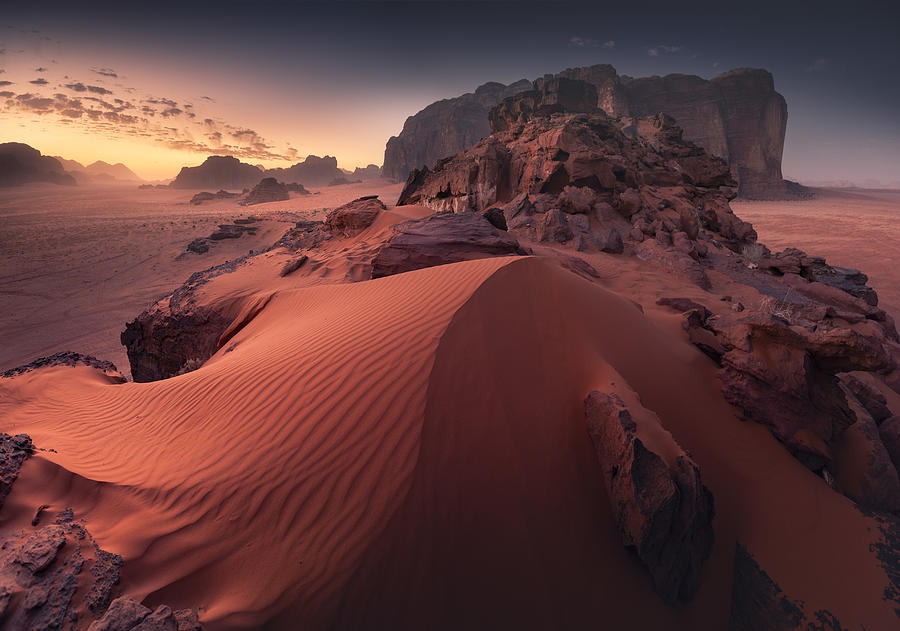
column 164, row 84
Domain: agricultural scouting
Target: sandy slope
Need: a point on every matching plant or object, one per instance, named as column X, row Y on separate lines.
column 856, row 228
column 411, row 452
column 77, row 263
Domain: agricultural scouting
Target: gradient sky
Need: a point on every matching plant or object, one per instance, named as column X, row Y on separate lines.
column 166, row 84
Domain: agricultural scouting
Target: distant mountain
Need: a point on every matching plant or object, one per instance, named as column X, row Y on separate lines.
column 219, row 172
column 99, row 170
column 314, row 171
column 21, row 164
column 227, row 172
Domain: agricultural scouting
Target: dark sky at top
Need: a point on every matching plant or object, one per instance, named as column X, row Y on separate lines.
column 838, row 65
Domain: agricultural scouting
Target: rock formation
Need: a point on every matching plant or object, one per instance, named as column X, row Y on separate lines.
column 21, row 164
column 578, row 178
column 205, row 196
column 354, row 216
column 369, row 172
column 219, row 172
column 54, row 575
column 268, row 190
column 313, row 171
column 444, row 128
column 661, row 507
column 737, row 116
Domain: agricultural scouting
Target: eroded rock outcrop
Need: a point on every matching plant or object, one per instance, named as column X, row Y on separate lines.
column 55, row 576
column 661, row 507
column 69, row 358
column 354, row 216
column 218, row 172
column 737, row 116
column 268, row 190
column 206, row 196
column 444, row 128
column 440, row 239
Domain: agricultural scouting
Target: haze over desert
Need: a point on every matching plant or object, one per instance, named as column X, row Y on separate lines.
column 449, row 315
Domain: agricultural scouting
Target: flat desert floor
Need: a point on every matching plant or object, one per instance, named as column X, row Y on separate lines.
column 77, row 263
column 858, row 228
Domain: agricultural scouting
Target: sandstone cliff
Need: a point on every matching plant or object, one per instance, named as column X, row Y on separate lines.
column 444, row 128
column 737, row 116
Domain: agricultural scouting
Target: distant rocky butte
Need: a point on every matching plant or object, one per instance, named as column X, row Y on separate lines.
column 227, row 172
column 21, row 164
column 737, row 116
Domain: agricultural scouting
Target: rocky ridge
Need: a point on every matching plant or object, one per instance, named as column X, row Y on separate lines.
column 737, row 116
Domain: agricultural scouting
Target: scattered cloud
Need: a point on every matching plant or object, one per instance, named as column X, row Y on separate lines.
column 662, row 49
column 39, row 81
column 154, row 118
column 5, row 83
column 80, row 87
column 610, row 44
column 2, row 70
column 819, row 65
column 106, row 72
column 208, row 98
column 42, row 69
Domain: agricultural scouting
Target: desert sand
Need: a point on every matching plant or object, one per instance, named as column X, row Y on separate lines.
column 855, row 228
column 77, row 263
column 410, row 452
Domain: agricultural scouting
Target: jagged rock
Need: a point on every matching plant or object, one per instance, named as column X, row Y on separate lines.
column 176, row 331
column 588, row 165
column 199, row 198
column 553, row 226
column 736, row 116
column 871, row 399
column 305, row 234
column 268, row 190
column 124, row 613
column 218, row 172
column 231, row 231
column 660, row 505
column 814, row 269
column 69, row 358
column 198, row 246
column 160, row 619
column 555, row 95
column 44, row 566
column 439, row 239
column 444, row 128
column 14, row 450
column 497, row 218
column 354, row 216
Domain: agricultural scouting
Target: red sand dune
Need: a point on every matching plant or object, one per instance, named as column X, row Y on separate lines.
column 411, row 451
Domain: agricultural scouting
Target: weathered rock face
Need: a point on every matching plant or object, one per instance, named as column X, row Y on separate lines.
column 268, row 190
column 219, row 172
column 177, row 334
column 444, row 128
column 55, row 575
column 69, row 358
column 737, row 116
column 369, row 172
column 440, row 239
column 591, row 180
column 354, row 216
column 21, row 164
column 661, row 507
column 313, row 171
